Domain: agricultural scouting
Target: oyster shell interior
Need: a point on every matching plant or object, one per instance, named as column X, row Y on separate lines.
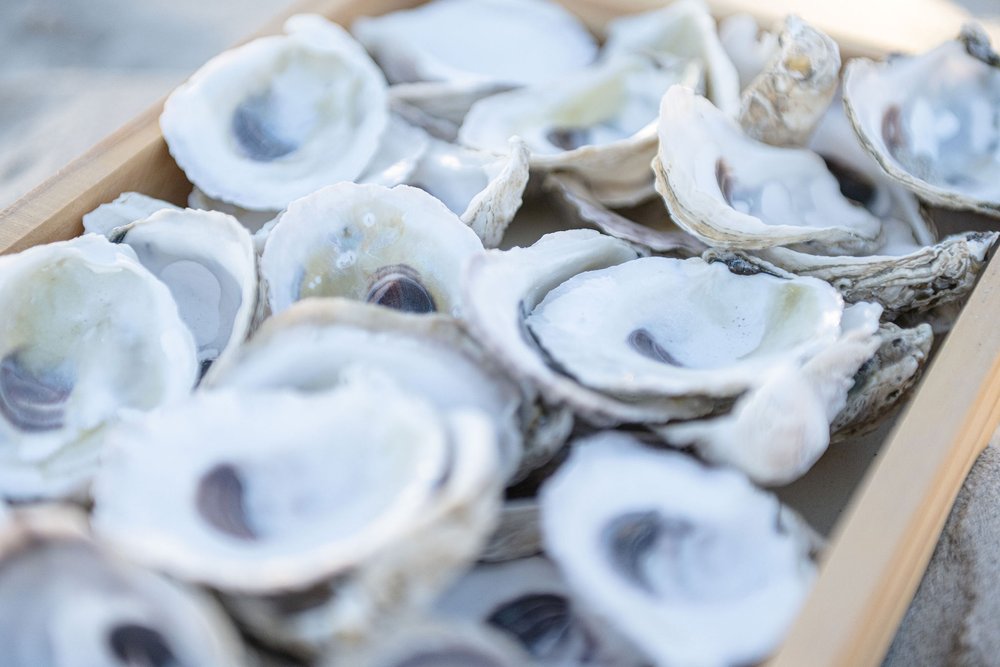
column 703, row 576
column 929, row 120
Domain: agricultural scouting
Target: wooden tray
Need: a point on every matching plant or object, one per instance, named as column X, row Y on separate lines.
column 883, row 538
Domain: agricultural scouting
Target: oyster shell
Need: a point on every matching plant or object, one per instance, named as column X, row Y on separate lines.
column 318, row 343
column 785, row 102
column 733, row 192
column 517, row 42
column 66, row 602
column 598, row 124
column 683, row 32
column 397, row 247
column 208, row 261
column 517, row 535
column 528, row 601
column 748, row 46
column 88, row 335
column 316, row 516
column 884, row 380
column 483, row 189
column 930, row 120
column 692, row 564
column 280, row 117
column 719, row 331
column 439, row 107
column 127, row 207
column 500, row 290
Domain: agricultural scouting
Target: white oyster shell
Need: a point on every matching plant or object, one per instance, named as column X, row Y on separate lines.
column 127, row 207
column 439, row 107
column 67, row 602
column 516, row 42
column 88, row 335
column 747, row 45
column 319, row 343
column 517, row 535
column 500, row 290
column 657, row 326
column 684, row 31
column 207, row 259
column 690, row 563
column 363, row 501
column 484, row 189
column 930, row 120
column 784, row 103
column 528, row 601
column 398, row 247
column 778, row 430
column 279, row 117
column 598, row 123
column 733, row 192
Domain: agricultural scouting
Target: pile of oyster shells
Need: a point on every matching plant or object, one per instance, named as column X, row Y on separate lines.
column 320, row 418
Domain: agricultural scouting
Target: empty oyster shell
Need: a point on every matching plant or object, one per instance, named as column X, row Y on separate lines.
column 439, row 107
column 691, row 563
column 716, row 334
column 432, row 643
column 517, row 535
column 684, row 31
column 315, row 515
column 784, row 103
column 517, row 42
column 483, row 189
column 208, row 261
column 280, row 117
column 733, row 192
column 87, row 335
column 748, row 46
column 598, row 123
column 929, row 120
column 882, row 381
column 318, row 343
column 68, row 603
column 128, row 207
column 503, row 287
column 397, row 247
column 528, row 601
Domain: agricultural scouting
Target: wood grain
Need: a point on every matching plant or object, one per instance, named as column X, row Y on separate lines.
column 881, row 546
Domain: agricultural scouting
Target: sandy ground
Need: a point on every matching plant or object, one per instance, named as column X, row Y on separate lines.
column 72, row 71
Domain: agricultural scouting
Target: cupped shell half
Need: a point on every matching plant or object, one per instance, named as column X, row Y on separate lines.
column 397, row 247
column 930, row 120
column 692, row 564
column 515, row 42
column 88, row 334
column 207, row 259
column 501, row 288
column 317, row 516
column 280, row 117
column 66, row 602
column 682, row 32
column 598, row 123
column 484, row 189
column 733, row 192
